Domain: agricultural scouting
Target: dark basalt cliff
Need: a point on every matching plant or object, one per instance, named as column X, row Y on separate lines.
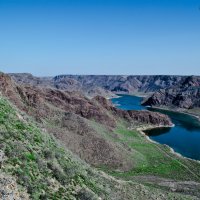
column 184, row 95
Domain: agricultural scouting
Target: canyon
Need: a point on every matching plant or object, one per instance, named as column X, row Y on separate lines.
column 161, row 90
column 77, row 145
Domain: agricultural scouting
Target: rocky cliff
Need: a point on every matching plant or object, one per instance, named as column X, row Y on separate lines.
column 143, row 117
column 103, row 85
column 185, row 94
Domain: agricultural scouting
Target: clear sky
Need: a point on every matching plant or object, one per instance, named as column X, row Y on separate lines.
column 50, row 37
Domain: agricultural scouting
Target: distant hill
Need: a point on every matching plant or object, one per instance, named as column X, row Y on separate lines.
column 162, row 90
column 108, row 83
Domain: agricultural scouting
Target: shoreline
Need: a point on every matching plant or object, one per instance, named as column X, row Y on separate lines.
column 167, row 108
column 176, row 111
column 136, row 94
column 156, row 107
column 141, row 131
column 113, row 97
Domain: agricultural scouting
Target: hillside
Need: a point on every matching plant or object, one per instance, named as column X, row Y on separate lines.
column 45, row 170
column 61, row 145
column 78, row 121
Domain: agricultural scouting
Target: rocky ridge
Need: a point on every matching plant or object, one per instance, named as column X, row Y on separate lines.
column 107, row 85
column 177, row 91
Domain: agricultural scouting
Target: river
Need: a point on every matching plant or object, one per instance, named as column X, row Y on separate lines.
column 184, row 137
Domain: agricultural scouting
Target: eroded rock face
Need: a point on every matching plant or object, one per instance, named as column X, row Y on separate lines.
column 70, row 102
column 8, row 88
column 126, row 84
column 145, row 117
column 66, row 83
column 148, row 117
column 101, row 84
column 103, row 102
column 184, row 95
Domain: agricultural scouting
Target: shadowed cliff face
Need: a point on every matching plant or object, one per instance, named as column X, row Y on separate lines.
column 78, row 122
column 184, row 95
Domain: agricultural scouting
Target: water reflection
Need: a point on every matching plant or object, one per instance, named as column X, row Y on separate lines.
column 157, row 131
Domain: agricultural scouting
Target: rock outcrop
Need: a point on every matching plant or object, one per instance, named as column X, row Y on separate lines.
column 9, row 189
column 143, row 117
column 185, row 95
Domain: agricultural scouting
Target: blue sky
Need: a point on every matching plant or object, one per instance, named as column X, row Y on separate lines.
column 50, row 37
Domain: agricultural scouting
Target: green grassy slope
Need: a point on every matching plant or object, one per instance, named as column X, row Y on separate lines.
column 155, row 165
column 154, row 159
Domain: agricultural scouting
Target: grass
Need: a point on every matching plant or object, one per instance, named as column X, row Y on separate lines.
column 154, row 159
column 36, row 159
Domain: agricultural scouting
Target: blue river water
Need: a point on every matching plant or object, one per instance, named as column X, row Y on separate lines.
column 184, row 137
